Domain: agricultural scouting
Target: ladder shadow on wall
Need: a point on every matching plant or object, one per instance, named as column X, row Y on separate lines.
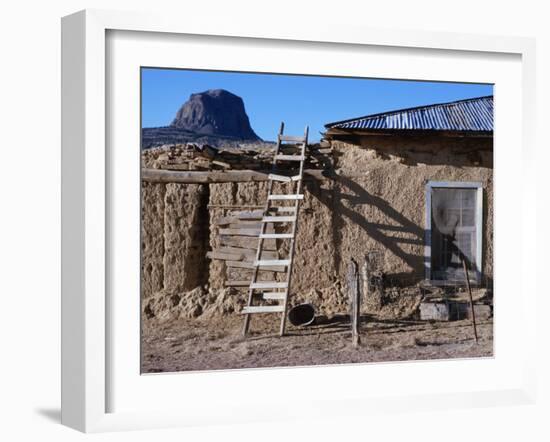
column 344, row 203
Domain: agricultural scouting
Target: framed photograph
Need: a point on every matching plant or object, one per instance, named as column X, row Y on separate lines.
column 260, row 222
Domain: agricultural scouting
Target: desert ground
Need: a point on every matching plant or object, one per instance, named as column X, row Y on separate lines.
column 195, row 344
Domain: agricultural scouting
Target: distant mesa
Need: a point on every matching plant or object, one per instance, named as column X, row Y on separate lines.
column 215, row 112
column 216, row 117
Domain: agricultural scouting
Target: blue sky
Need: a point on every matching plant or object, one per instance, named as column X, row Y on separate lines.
column 296, row 100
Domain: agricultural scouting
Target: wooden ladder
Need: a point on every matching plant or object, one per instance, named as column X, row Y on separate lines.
column 273, row 213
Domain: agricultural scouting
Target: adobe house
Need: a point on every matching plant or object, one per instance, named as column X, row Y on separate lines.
column 414, row 185
column 431, row 172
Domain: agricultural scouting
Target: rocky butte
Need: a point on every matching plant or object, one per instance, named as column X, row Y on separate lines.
column 215, row 112
column 215, row 116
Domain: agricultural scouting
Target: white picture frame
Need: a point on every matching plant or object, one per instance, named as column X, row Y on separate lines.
column 86, row 316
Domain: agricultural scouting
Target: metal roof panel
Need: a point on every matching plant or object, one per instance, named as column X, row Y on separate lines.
column 474, row 114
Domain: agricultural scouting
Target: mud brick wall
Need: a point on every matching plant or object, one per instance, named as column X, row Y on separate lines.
column 152, row 238
column 186, row 232
column 375, row 201
column 175, row 232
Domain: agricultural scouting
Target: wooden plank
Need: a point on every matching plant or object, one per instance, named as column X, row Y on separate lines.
column 276, row 235
column 248, row 254
column 224, row 220
column 245, row 228
column 250, row 214
column 236, row 283
column 240, row 232
column 246, row 242
column 222, row 164
column 281, row 178
column 225, row 256
column 250, row 265
column 245, row 225
column 263, row 309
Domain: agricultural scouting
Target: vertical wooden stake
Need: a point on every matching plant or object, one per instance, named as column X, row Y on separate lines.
column 355, row 301
column 471, row 299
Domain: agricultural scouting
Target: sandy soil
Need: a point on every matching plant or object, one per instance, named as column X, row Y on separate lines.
column 194, row 344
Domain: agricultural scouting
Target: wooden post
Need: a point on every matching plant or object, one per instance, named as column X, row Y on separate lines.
column 355, row 301
column 471, row 299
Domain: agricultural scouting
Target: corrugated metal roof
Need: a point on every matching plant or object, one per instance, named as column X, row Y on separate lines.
column 474, row 114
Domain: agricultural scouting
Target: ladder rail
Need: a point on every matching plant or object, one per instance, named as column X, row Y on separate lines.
column 262, row 232
column 293, row 240
column 295, row 197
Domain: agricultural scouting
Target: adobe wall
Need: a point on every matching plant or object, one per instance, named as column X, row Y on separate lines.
column 375, row 201
column 382, row 195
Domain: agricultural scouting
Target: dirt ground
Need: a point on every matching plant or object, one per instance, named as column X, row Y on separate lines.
column 195, row 344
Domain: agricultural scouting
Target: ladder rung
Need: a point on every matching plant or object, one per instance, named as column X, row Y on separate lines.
column 272, row 262
column 286, row 197
column 274, row 295
column 276, row 235
column 282, row 178
column 263, row 309
column 279, row 219
column 268, row 285
column 292, row 139
column 281, row 157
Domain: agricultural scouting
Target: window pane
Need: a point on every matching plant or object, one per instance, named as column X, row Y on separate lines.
column 453, row 232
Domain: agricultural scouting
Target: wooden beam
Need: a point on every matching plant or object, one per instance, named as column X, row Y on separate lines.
column 206, row 177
